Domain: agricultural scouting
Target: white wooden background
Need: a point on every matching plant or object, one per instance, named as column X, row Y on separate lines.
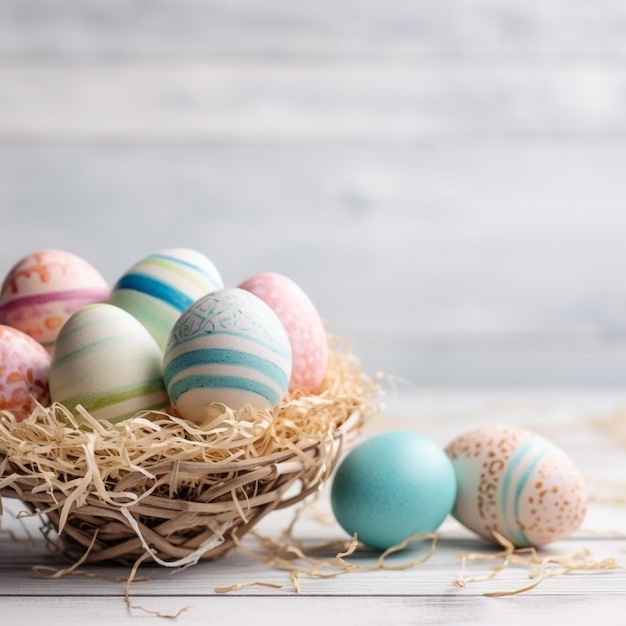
column 446, row 180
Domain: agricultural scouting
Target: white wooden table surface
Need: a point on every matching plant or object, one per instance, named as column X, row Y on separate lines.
column 423, row 594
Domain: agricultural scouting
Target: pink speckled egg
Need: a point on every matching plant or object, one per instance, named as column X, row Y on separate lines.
column 304, row 326
column 44, row 288
column 516, row 483
column 24, row 368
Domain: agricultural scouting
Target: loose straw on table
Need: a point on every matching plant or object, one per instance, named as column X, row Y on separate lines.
column 605, row 491
column 541, row 568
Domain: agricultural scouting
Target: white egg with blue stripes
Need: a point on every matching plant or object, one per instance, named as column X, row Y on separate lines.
column 228, row 347
column 157, row 289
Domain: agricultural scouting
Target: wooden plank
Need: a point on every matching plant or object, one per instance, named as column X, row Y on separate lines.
column 434, row 578
column 323, row 29
column 498, row 359
column 313, row 611
column 477, row 265
column 425, row 243
column 292, row 104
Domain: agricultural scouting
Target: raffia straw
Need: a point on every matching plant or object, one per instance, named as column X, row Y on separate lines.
column 606, row 491
column 289, row 554
column 159, row 485
column 541, row 568
column 139, row 607
column 614, row 425
column 299, row 562
column 239, row 586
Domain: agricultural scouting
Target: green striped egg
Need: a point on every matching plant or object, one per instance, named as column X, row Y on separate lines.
column 105, row 360
column 227, row 347
column 157, row 289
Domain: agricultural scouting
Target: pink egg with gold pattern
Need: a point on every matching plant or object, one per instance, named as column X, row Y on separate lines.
column 304, row 326
column 24, row 368
column 516, row 483
column 44, row 288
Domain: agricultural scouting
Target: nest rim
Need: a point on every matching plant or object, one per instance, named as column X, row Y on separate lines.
column 141, row 516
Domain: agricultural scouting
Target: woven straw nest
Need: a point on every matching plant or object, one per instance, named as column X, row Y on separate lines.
column 159, row 488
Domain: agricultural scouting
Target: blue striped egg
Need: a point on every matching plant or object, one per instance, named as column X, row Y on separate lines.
column 105, row 360
column 157, row 289
column 228, row 347
column 516, row 483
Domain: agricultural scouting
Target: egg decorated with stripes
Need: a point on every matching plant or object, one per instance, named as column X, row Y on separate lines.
column 44, row 288
column 106, row 361
column 228, row 347
column 157, row 289
column 516, row 483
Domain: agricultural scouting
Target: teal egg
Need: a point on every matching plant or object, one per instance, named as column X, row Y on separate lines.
column 392, row 486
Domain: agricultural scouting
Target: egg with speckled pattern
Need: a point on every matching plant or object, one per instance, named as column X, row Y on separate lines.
column 392, row 486
column 304, row 326
column 516, row 483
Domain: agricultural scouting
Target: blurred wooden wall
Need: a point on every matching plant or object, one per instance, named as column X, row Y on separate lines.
column 446, row 180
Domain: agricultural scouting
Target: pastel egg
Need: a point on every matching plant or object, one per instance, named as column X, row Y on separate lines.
column 304, row 326
column 227, row 347
column 518, row 484
column 106, row 361
column 157, row 289
column 392, row 486
column 24, row 367
column 44, row 288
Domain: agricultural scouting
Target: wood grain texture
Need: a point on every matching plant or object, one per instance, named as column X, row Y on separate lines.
column 422, row 594
column 446, row 181
column 418, row 241
column 309, row 104
column 313, row 611
column 536, row 29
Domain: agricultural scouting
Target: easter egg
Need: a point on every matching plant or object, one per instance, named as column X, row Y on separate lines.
column 105, row 360
column 157, row 289
column 24, row 367
column 392, row 486
column 304, row 326
column 227, row 347
column 44, row 288
column 516, row 483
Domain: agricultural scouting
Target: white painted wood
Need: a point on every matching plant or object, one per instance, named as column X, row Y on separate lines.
column 536, row 28
column 292, row 103
column 309, row 611
column 420, row 242
column 423, row 593
column 445, row 180
column 469, row 265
